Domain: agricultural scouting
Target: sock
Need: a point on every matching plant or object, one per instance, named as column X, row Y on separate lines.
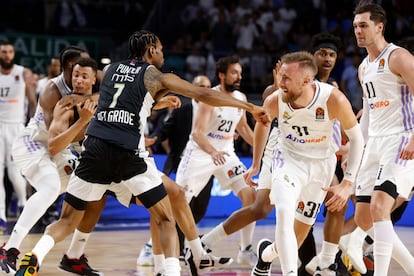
column 77, row 245
column 159, row 262
column 327, row 254
column 172, row 266
column 246, row 235
column 382, row 257
column 42, row 247
column 357, row 238
column 16, row 237
column 269, row 253
column 196, row 248
column 215, row 235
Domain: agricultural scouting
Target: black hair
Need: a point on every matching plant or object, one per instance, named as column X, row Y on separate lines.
column 5, row 42
column 223, row 64
column 68, row 54
column 138, row 43
column 321, row 39
column 87, row 62
column 378, row 14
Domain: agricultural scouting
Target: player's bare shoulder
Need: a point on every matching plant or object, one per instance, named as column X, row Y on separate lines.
column 271, row 103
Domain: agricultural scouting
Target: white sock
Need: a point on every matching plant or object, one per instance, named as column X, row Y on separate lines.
column 269, row 253
column 327, row 254
column 159, row 262
column 357, row 237
column 172, row 266
column 196, row 248
column 16, row 237
column 246, row 235
column 78, row 244
column 215, row 235
column 42, row 247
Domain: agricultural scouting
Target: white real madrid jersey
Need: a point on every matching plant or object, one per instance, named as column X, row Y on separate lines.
column 308, row 131
column 222, row 124
column 12, row 96
column 390, row 102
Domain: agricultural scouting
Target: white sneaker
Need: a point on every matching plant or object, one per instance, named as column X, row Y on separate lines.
column 356, row 258
column 343, row 242
column 145, row 257
column 247, row 256
column 313, row 265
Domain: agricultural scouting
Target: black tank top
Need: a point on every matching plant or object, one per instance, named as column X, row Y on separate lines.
column 122, row 98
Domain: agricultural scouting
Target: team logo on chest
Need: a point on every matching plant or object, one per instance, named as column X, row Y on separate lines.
column 381, row 65
column 286, row 117
column 320, row 114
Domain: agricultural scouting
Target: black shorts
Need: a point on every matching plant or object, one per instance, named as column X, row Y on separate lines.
column 104, row 163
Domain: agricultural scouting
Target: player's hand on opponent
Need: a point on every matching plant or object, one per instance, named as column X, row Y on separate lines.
column 149, row 141
column 218, row 157
column 71, row 100
column 248, row 176
column 168, row 101
column 86, row 110
column 340, row 195
column 260, row 115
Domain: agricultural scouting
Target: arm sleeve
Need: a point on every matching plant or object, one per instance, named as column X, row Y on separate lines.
column 356, row 149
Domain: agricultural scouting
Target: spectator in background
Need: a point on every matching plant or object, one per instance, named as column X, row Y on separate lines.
column 195, row 63
column 246, row 33
column 349, row 82
column 222, row 35
column 53, row 70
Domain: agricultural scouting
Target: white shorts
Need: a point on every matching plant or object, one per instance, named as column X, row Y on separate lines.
column 301, row 179
column 8, row 132
column 265, row 175
column 196, row 168
column 35, row 163
column 124, row 190
column 381, row 162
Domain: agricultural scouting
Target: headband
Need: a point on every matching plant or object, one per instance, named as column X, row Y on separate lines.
column 325, row 45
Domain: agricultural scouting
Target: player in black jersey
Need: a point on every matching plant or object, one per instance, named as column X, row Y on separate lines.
column 115, row 148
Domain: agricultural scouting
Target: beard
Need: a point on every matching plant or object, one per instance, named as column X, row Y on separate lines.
column 231, row 87
column 6, row 65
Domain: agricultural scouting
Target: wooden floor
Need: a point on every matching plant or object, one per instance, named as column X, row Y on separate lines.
column 115, row 252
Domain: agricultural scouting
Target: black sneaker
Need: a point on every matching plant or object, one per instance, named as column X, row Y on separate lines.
column 327, row 271
column 341, row 269
column 206, row 262
column 8, row 259
column 78, row 266
column 29, row 266
column 262, row 268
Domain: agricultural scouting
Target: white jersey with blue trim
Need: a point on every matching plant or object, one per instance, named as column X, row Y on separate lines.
column 222, row 124
column 12, row 96
column 37, row 126
column 308, row 131
column 390, row 101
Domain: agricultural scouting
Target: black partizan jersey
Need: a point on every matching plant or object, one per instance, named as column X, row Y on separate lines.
column 123, row 107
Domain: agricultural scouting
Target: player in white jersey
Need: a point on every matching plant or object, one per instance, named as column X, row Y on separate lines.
column 304, row 160
column 15, row 86
column 387, row 79
column 49, row 176
column 210, row 149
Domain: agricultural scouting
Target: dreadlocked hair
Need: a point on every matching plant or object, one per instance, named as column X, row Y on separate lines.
column 139, row 42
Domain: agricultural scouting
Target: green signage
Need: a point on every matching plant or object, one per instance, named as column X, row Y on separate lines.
column 34, row 51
